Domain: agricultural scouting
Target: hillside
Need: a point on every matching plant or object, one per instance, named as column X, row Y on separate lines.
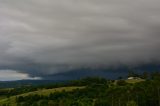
column 19, row 83
column 89, row 92
column 12, row 100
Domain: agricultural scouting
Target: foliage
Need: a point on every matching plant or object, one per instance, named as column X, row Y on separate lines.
column 99, row 92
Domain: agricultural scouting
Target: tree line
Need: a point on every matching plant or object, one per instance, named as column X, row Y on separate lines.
column 100, row 92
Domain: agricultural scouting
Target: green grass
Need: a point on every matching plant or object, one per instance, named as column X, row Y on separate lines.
column 6, row 90
column 12, row 100
column 132, row 81
column 2, row 97
column 48, row 91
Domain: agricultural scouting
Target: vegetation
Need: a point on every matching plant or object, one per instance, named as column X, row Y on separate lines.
column 92, row 92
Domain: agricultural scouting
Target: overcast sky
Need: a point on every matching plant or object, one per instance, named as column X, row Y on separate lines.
column 44, row 37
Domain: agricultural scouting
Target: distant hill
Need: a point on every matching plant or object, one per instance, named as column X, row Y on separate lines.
column 109, row 72
column 19, row 83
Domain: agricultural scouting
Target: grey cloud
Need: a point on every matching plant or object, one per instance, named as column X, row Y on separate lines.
column 14, row 75
column 45, row 37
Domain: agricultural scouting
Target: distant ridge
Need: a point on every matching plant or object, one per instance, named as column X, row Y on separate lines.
column 19, row 83
column 108, row 73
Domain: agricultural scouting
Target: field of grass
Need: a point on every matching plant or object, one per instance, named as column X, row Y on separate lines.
column 132, row 81
column 2, row 97
column 12, row 102
column 4, row 90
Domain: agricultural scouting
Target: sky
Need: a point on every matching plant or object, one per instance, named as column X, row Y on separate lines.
column 39, row 38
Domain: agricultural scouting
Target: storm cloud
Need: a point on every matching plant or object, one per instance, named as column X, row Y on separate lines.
column 43, row 37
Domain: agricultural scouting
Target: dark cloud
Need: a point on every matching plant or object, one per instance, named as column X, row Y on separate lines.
column 46, row 37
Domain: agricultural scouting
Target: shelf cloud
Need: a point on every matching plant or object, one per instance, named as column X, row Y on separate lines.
column 44, row 37
column 7, row 75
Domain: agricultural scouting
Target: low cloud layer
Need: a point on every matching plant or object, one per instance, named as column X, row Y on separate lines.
column 43, row 37
column 7, row 75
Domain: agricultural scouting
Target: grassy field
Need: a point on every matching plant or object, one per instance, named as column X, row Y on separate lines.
column 132, row 81
column 12, row 99
column 2, row 97
column 5, row 90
